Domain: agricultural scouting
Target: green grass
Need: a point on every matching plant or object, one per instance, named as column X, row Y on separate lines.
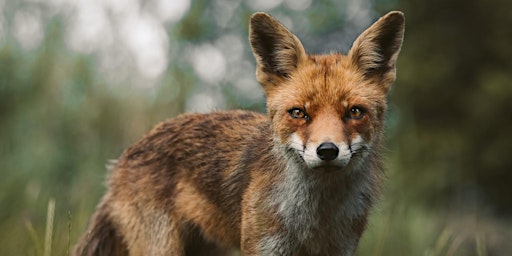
column 397, row 229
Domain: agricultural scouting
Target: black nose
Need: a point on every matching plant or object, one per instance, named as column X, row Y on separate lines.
column 327, row 151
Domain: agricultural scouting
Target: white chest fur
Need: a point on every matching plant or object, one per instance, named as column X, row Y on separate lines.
column 317, row 211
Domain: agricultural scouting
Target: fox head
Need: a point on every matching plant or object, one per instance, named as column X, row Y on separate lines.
column 327, row 109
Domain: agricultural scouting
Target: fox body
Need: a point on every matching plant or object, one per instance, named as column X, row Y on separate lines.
column 299, row 180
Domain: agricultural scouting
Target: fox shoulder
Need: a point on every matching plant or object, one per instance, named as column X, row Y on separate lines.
column 193, row 131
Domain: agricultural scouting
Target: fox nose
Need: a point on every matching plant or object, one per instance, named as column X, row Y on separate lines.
column 327, row 151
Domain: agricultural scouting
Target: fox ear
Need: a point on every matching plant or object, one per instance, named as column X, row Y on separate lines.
column 277, row 51
column 375, row 51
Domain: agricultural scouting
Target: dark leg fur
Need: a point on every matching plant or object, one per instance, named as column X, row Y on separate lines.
column 196, row 245
column 101, row 238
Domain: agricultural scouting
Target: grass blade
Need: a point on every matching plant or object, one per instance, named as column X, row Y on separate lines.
column 49, row 227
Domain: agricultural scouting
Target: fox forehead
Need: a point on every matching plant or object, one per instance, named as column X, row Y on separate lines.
column 328, row 80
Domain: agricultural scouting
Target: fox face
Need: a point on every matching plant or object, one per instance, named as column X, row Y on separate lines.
column 331, row 116
column 327, row 110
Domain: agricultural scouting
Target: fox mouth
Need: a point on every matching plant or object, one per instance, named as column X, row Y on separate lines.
column 328, row 168
column 327, row 156
column 320, row 165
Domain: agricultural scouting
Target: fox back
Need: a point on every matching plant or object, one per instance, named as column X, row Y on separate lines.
column 300, row 180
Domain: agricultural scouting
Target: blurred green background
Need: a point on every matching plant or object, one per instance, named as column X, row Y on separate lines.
column 82, row 80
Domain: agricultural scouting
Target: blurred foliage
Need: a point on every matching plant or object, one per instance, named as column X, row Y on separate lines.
column 459, row 121
column 64, row 112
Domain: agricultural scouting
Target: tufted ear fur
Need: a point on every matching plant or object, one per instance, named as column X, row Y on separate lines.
column 375, row 51
column 277, row 51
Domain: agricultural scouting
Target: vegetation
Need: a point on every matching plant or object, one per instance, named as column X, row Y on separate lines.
column 82, row 80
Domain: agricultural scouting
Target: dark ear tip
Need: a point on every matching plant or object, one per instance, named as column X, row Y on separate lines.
column 395, row 13
column 259, row 16
column 396, row 17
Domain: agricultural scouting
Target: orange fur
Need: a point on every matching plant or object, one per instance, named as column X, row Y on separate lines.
column 300, row 181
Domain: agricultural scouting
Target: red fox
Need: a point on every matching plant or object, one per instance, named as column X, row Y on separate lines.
column 300, row 180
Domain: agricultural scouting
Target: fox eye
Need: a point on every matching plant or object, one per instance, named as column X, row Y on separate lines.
column 356, row 112
column 297, row 113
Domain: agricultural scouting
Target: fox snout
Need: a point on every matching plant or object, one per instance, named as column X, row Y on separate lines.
column 328, row 154
column 327, row 151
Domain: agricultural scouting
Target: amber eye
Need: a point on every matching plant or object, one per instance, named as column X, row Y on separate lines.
column 356, row 112
column 297, row 113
